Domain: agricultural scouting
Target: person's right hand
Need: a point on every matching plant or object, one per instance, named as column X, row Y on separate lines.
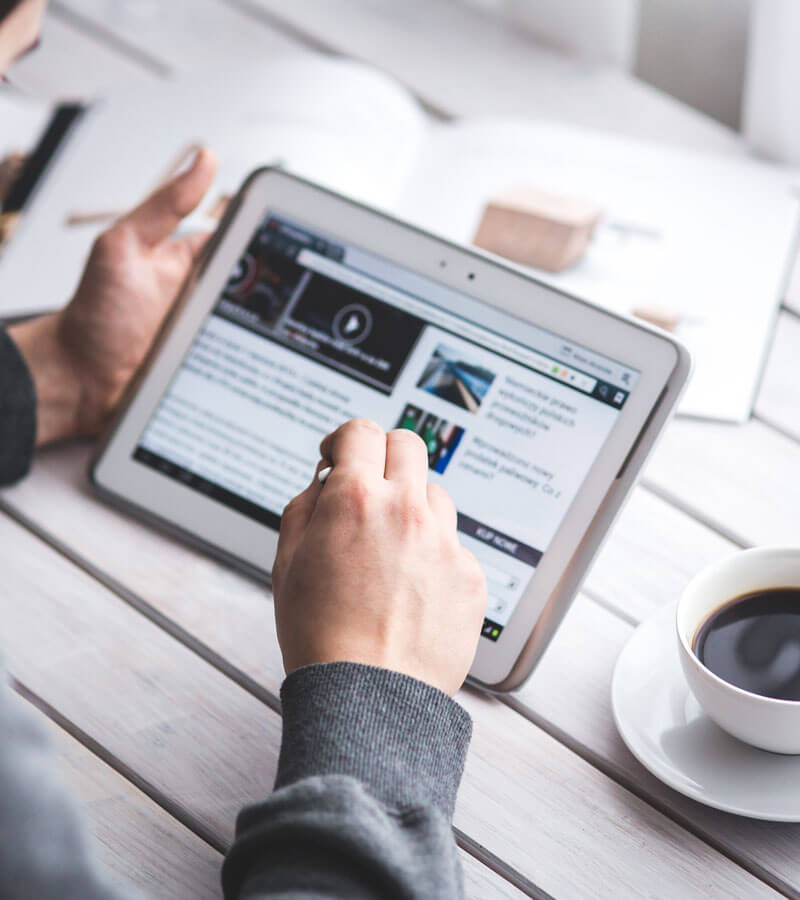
column 369, row 568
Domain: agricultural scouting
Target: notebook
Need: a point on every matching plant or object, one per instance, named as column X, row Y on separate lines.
column 707, row 238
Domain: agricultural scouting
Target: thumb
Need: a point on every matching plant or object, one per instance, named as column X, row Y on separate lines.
column 193, row 243
column 159, row 215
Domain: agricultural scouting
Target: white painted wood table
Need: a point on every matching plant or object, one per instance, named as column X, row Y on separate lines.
column 158, row 668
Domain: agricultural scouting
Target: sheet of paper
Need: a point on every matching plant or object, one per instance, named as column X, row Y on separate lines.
column 21, row 121
column 334, row 121
column 707, row 238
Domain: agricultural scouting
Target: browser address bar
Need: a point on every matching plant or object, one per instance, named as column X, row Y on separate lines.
column 332, row 269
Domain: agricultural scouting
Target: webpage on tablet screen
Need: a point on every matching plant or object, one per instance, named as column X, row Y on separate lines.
column 308, row 333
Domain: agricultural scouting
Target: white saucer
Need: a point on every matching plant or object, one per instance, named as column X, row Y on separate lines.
column 667, row 731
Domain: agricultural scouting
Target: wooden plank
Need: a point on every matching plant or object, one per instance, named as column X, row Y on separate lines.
column 166, row 573
column 147, row 849
column 483, row 883
column 149, row 701
column 465, row 61
column 653, row 551
column 779, row 398
column 741, row 479
column 569, row 693
column 562, row 812
column 183, row 35
column 655, row 548
column 71, row 65
column 135, row 840
column 513, row 767
column 792, row 298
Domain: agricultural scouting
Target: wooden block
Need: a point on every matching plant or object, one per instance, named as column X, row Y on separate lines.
column 549, row 231
column 661, row 318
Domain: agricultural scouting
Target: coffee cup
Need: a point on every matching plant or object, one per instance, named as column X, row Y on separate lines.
column 763, row 721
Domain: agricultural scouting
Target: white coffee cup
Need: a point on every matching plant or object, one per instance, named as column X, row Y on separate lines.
column 761, row 721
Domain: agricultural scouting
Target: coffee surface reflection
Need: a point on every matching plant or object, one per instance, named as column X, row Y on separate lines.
column 753, row 642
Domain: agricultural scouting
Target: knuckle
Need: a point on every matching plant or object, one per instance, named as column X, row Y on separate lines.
column 411, row 444
column 291, row 509
column 442, row 496
column 276, row 577
column 111, row 243
column 355, row 495
column 436, row 490
column 410, row 512
column 364, row 426
column 406, row 435
column 278, row 572
column 473, row 573
column 101, row 249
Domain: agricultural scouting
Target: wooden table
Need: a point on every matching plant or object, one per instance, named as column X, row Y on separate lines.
column 158, row 669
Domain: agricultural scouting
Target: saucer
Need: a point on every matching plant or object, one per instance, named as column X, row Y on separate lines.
column 667, row 731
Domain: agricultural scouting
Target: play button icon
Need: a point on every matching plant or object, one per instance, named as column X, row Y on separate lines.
column 352, row 323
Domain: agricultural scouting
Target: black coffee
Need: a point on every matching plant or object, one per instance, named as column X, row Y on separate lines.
column 753, row 642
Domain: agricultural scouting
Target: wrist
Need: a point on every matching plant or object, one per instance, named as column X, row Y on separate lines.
column 403, row 739
column 55, row 378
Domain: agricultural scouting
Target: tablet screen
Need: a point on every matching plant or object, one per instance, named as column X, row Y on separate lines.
column 309, row 332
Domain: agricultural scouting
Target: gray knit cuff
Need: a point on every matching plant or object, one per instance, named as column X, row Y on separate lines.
column 405, row 740
column 17, row 412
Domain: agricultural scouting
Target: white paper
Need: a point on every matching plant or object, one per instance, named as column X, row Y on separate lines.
column 707, row 237
column 334, row 121
column 21, row 121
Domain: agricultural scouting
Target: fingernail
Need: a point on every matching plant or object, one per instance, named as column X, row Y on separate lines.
column 188, row 159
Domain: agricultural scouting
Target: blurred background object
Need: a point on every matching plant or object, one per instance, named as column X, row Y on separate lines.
column 735, row 60
column 695, row 51
column 771, row 113
column 537, row 228
column 598, row 30
column 604, row 101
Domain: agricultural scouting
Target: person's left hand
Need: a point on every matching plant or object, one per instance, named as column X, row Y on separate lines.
column 82, row 358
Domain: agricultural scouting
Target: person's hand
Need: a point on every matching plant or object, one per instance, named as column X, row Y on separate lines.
column 82, row 358
column 369, row 568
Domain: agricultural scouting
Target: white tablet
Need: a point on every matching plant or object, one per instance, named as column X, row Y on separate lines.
column 537, row 409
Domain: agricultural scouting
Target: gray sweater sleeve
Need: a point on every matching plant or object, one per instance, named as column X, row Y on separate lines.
column 17, row 412
column 44, row 850
column 369, row 768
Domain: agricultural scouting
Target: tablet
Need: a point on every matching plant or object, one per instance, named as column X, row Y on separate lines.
column 308, row 309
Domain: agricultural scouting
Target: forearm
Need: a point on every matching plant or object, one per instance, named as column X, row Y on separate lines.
column 55, row 383
column 370, row 765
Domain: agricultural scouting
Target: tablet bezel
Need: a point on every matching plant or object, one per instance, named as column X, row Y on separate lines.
column 510, row 294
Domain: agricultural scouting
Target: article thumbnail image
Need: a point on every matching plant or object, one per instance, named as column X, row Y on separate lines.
column 441, row 437
column 263, row 283
column 451, row 377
